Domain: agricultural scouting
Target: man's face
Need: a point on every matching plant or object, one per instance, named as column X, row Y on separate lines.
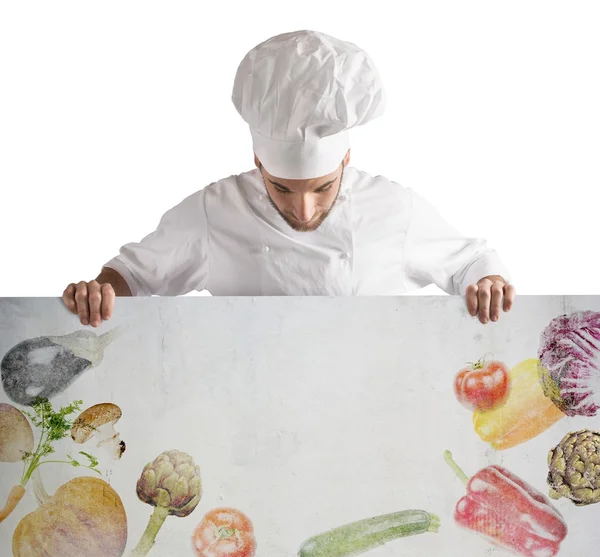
column 304, row 204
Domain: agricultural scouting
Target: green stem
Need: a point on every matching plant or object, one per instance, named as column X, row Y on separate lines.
column 434, row 524
column 148, row 537
column 457, row 469
column 28, row 470
column 23, row 480
column 224, row 532
column 71, row 463
column 35, row 462
column 107, row 337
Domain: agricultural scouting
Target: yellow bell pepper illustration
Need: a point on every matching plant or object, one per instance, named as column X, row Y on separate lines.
column 526, row 413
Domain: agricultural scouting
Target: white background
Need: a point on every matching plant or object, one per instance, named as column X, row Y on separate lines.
column 112, row 112
column 303, row 413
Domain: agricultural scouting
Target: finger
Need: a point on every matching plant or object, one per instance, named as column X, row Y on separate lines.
column 497, row 292
column 68, row 297
column 95, row 301
column 108, row 300
column 81, row 299
column 509, row 296
column 471, row 297
column 484, row 301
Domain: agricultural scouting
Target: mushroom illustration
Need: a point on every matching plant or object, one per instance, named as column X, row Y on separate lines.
column 98, row 421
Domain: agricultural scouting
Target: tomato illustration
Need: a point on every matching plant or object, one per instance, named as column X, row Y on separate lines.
column 224, row 532
column 482, row 385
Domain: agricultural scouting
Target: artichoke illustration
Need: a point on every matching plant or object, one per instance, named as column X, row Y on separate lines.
column 171, row 483
column 574, row 468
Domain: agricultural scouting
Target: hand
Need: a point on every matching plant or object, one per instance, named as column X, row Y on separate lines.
column 486, row 297
column 92, row 301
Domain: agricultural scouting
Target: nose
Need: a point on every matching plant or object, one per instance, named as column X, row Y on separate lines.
column 304, row 208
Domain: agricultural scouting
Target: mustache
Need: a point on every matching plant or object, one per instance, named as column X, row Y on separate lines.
column 297, row 225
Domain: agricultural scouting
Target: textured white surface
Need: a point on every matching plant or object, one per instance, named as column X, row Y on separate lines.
column 304, row 413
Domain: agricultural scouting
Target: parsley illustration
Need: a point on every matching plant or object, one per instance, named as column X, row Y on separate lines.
column 53, row 426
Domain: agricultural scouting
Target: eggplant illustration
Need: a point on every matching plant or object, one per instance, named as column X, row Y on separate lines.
column 46, row 366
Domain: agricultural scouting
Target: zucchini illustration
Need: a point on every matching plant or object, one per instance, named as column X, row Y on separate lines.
column 360, row 536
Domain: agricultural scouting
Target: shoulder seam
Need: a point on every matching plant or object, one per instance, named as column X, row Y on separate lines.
column 207, row 239
column 406, row 237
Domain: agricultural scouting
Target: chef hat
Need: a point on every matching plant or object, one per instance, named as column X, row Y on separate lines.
column 300, row 93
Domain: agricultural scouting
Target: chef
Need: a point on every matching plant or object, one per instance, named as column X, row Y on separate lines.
column 304, row 222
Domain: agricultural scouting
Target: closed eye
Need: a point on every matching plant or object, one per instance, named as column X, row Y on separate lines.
column 324, row 189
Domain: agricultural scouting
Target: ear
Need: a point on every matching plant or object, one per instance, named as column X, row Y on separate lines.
column 257, row 162
column 346, row 160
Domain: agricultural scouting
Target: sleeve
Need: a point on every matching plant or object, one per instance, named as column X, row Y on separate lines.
column 172, row 260
column 438, row 253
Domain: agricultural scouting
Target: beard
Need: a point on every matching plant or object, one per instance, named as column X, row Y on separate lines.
column 306, row 226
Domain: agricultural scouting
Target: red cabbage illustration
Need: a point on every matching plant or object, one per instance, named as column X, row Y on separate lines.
column 569, row 369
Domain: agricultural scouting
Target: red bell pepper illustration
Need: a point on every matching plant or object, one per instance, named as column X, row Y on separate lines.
column 508, row 512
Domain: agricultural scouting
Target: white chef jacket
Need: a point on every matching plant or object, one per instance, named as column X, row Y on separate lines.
column 380, row 238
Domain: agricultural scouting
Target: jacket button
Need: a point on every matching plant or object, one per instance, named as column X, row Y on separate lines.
column 267, row 248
